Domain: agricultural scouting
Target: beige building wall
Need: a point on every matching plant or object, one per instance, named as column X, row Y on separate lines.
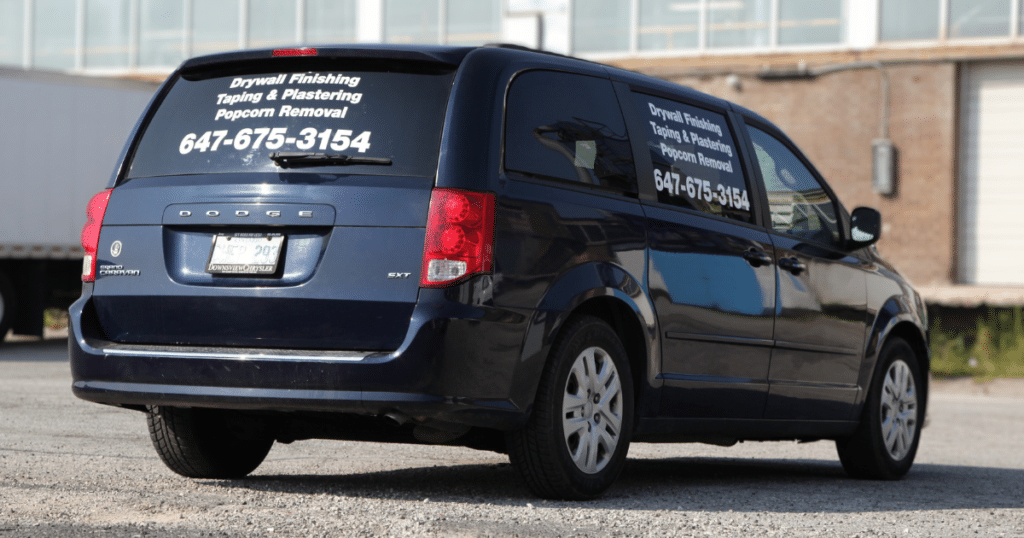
column 835, row 117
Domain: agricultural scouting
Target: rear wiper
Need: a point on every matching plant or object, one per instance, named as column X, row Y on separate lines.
column 285, row 159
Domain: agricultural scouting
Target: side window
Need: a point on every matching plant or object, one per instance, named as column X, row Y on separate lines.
column 567, row 126
column 799, row 205
column 696, row 165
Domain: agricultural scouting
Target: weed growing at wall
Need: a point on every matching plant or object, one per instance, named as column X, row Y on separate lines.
column 995, row 349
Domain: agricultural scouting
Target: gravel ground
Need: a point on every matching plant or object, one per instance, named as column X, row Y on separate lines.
column 72, row 468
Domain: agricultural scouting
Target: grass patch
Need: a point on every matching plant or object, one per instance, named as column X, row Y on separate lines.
column 55, row 318
column 994, row 349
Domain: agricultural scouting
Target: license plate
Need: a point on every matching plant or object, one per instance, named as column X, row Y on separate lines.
column 245, row 254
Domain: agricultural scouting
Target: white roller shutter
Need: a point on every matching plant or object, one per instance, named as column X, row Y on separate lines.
column 991, row 191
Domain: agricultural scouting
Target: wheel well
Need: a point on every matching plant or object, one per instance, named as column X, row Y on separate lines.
column 625, row 323
column 909, row 332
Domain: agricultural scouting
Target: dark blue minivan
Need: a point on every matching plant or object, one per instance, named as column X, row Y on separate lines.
column 488, row 247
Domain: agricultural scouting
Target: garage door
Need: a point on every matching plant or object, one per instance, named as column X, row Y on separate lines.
column 991, row 195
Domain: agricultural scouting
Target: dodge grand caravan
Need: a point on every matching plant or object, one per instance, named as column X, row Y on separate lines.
column 488, row 247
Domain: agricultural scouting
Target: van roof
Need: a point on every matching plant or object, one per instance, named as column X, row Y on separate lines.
column 446, row 55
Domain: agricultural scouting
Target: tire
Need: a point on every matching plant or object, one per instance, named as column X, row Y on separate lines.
column 206, row 443
column 8, row 306
column 588, row 375
column 885, row 443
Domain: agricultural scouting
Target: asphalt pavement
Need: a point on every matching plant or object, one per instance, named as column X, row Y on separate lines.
column 73, row 468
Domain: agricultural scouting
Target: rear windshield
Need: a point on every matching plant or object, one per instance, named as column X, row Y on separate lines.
column 234, row 123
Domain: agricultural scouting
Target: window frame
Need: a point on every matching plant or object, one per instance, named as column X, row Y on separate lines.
column 842, row 215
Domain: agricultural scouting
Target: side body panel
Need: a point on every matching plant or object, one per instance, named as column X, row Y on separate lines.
column 821, row 321
column 895, row 309
column 558, row 247
column 715, row 312
column 711, row 280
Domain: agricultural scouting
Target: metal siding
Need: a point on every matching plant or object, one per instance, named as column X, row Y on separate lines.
column 991, row 191
column 60, row 142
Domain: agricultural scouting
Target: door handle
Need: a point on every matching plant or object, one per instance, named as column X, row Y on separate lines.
column 792, row 265
column 757, row 258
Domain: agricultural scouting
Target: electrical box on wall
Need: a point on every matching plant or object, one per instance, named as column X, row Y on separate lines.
column 883, row 173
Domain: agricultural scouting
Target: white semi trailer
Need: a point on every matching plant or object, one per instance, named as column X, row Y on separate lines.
column 60, row 136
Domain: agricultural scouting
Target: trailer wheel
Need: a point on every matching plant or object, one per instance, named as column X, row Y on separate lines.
column 8, row 306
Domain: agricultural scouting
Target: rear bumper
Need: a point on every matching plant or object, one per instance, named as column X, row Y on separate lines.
column 436, row 375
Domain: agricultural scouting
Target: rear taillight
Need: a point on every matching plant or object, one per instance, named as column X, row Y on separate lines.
column 460, row 237
column 91, row 233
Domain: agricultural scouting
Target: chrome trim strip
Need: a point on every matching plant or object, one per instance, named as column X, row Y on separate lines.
column 712, row 379
column 817, row 348
column 237, row 355
column 811, row 384
column 778, row 344
column 735, row 340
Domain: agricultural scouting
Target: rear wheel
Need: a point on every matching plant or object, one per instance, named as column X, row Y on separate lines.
column 206, row 443
column 885, row 443
column 575, row 444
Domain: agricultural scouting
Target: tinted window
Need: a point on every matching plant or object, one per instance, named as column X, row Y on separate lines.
column 799, row 205
column 234, row 123
column 569, row 127
column 696, row 165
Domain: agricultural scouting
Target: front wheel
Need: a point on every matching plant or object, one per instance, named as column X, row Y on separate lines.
column 206, row 443
column 885, row 443
column 575, row 443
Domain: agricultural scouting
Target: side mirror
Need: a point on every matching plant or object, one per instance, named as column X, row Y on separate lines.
column 865, row 227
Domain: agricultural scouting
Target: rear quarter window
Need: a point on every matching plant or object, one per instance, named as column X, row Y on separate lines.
column 696, row 163
column 232, row 124
column 568, row 127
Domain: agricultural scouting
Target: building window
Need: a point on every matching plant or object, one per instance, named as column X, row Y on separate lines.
column 699, row 24
column 410, row 21
column 810, row 22
column 974, row 18
column 106, row 33
column 473, row 22
column 739, row 23
column 214, row 26
column 330, row 21
column 271, row 23
column 160, row 33
column 1020, row 19
column 12, row 24
column 669, row 25
column 903, row 20
column 601, row 26
column 53, row 43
